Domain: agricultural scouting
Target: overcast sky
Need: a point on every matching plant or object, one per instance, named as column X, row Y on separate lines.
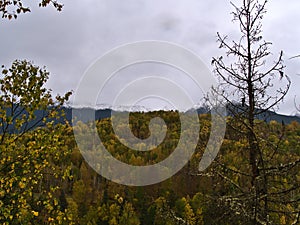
column 68, row 42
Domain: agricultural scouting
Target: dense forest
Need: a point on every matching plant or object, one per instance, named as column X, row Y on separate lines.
column 76, row 194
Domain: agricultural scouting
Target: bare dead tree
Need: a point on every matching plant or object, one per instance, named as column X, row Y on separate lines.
column 247, row 81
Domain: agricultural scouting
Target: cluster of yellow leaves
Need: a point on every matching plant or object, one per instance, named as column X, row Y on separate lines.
column 32, row 157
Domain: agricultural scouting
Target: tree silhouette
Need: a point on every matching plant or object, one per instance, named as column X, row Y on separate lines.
column 12, row 8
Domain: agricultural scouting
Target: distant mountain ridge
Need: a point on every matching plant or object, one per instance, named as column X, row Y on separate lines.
column 106, row 113
column 266, row 116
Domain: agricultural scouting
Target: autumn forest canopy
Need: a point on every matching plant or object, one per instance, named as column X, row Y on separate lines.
column 254, row 180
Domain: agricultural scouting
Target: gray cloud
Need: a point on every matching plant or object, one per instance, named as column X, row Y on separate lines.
column 68, row 42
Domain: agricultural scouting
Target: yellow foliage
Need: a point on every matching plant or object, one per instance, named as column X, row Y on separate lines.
column 35, row 213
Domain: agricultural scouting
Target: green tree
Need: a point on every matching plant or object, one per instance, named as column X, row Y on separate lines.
column 118, row 212
column 32, row 148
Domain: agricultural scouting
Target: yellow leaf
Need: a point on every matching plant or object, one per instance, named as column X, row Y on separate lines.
column 21, row 185
column 35, row 213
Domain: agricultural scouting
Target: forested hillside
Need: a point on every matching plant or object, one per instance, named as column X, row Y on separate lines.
column 189, row 197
